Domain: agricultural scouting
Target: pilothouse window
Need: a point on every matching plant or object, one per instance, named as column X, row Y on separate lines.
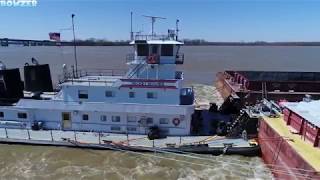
column 154, row 49
column 167, row 50
column 143, row 50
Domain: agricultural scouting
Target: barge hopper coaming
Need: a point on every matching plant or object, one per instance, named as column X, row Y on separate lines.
column 274, row 85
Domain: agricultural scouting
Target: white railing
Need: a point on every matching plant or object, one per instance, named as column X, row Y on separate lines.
column 151, row 37
column 53, row 135
column 75, row 75
column 179, row 58
column 131, row 57
column 60, row 137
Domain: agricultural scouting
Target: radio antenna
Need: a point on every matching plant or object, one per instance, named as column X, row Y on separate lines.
column 153, row 20
column 131, row 32
column 177, row 29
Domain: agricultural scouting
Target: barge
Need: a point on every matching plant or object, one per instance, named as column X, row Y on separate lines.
column 289, row 137
column 249, row 86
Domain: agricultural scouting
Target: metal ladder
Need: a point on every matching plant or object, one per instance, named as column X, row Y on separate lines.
column 136, row 69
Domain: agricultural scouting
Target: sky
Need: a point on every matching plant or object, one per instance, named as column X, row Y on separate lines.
column 211, row 20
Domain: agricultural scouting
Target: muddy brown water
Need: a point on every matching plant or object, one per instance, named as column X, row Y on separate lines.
column 201, row 64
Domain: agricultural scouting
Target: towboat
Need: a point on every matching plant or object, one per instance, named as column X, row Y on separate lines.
column 146, row 108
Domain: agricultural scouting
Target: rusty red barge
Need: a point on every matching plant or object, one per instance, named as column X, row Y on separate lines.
column 273, row 85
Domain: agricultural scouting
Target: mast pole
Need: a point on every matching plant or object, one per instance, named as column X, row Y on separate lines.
column 152, row 25
column 131, row 32
column 74, row 46
column 177, row 29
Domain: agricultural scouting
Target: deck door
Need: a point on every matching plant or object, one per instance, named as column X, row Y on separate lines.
column 66, row 120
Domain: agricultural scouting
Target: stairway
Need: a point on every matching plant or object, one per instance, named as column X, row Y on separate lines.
column 136, row 69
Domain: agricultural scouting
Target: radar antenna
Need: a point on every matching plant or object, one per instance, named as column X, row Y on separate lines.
column 153, row 20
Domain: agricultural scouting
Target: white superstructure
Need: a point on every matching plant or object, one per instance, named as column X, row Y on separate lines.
column 149, row 95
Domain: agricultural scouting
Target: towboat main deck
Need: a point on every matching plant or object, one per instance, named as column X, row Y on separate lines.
column 198, row 144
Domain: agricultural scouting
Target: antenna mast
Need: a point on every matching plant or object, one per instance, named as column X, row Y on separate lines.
column 177, row 29
column 153, row 20
column 74, row 46
column 131, row 32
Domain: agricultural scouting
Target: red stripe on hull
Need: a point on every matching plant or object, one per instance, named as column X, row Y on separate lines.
column 155, row 87
column 150, row 80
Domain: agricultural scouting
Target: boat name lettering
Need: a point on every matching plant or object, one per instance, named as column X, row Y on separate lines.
column 18, row 3
column 143, row 83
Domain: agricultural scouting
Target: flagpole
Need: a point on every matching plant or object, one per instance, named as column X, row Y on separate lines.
column 74, row 46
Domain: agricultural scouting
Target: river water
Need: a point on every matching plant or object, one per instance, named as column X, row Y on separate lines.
column 201, row 64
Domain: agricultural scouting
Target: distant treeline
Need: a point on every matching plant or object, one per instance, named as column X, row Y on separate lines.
column 200, row 42
column 188, row 42
column 95, row 42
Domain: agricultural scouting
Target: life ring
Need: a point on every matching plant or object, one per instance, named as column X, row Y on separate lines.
column 176, row 121
column 152, row 59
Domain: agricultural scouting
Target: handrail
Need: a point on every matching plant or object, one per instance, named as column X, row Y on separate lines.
column 179, row 58
column 131, row 57
column 136, row 69
column 70, row 76
column 152, row 37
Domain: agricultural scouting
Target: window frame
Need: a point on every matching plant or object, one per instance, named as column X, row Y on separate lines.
column 132, row 94
column 149, row 120
column 115, row 119
column 165, row 50
column 103, row 118
column 154, row 95
column 83, row 94
column 85, row 115
column 167, row 120
column 109, row 95
column 131, row 121
column 22, row 115
column 143, row 52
